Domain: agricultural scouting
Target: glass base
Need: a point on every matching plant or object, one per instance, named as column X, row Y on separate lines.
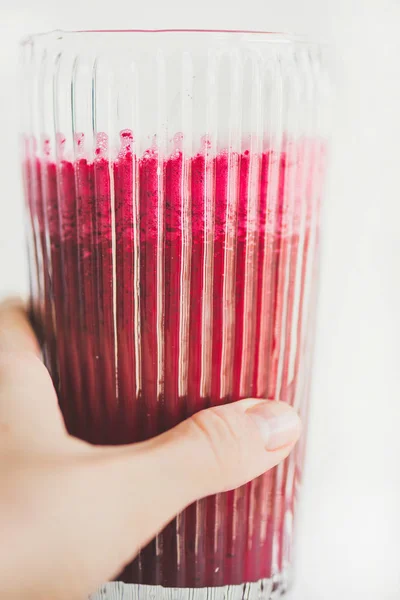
column 265, row 589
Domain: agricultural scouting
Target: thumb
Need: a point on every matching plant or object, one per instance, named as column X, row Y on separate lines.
column 216, row 450
column 226, row 446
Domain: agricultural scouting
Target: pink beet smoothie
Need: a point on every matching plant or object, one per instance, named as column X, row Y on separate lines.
column 168, row 286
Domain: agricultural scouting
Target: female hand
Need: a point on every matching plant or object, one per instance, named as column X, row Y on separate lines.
column 71, row 514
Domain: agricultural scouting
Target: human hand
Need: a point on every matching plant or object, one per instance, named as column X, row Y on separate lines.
column 71, row 514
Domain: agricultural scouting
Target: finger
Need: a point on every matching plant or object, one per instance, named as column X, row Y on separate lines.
column 16, row 333
column 28, row 403
column 216, row 450
column 228, row 445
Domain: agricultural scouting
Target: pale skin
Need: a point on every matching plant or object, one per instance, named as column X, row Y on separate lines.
column 71, row 514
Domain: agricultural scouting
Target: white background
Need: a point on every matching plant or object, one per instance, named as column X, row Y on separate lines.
column 350, row 528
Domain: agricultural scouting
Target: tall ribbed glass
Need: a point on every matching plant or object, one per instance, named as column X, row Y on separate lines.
column 173, row 181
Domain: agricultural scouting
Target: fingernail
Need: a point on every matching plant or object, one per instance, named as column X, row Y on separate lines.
column 278, row 423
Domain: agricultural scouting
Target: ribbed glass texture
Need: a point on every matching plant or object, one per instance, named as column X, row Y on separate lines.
column 173, row 183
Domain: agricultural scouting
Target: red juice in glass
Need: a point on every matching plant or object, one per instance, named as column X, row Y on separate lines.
column 176, row 271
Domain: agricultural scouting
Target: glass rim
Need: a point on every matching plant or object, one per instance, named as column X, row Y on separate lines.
column 282, row 37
